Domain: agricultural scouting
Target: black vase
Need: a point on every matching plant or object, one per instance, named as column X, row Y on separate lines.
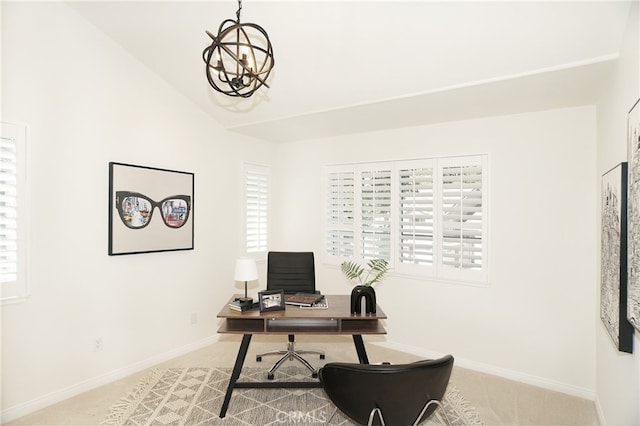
column 369, row 295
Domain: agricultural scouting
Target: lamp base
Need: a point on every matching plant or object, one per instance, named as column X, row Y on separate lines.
column 244, row 300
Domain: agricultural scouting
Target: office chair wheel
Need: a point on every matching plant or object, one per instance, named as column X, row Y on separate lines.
column 270, row 376
column 322, row 356
column 258, row 359
column 314, row 374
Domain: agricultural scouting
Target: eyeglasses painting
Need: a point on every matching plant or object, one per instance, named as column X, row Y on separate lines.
column 135, row 209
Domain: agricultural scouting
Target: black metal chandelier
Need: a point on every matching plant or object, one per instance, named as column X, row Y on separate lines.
column 240, row 58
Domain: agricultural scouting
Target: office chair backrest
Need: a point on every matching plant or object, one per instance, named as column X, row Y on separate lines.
column 399, row 391
column 294, row 272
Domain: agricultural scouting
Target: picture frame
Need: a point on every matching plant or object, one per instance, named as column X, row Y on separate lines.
column 150, row 209
column 271, row 300
column 613, row 273
column 633, row 226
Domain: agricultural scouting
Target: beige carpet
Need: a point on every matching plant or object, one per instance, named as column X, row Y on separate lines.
column 193, row 396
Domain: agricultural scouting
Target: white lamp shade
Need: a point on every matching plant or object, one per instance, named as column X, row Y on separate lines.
column 246, row 270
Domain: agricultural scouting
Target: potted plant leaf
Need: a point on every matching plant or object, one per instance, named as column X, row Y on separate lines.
column 364, row 290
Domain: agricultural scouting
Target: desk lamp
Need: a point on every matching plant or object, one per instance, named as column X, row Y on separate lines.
column 246, row 270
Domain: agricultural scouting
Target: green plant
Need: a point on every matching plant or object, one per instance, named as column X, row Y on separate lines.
column 353, row 271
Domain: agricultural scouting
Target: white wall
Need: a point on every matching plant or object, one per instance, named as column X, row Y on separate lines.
column 618, row 374
column 87, row 102
column 534, row 322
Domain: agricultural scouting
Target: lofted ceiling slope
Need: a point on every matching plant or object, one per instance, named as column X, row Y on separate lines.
column 355, row 66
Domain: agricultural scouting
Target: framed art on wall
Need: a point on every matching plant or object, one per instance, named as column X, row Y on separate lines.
column 613, row 282
column 633, row 251
column 150, row 209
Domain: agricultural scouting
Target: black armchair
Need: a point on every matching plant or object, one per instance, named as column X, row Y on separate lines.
column 400, row 394
column 293, row 272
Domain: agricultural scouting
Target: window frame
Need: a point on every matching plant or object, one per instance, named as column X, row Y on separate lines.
column 437, row 270
column 18, row 290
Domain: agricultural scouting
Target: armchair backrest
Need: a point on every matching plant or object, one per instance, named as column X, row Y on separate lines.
column 399, row 391
column 294, row 272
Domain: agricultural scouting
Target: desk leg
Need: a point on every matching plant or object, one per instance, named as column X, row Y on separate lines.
column 242, row 353
column 362, row 353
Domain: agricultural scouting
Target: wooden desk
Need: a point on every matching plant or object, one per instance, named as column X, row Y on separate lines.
column 337, row 319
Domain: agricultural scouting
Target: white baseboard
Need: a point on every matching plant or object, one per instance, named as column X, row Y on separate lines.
column 39, row 403
column 517, row 376
column 15, row 412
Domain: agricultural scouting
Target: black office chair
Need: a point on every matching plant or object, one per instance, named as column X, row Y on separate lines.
column 294, row 272
column 400, row 394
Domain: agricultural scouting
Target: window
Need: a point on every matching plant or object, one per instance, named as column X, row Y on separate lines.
column 427, row 217
column 461, row 216
column 256, row 194
column 340, row 213
column 375, row 213
column 416, row 219
column 13, row 201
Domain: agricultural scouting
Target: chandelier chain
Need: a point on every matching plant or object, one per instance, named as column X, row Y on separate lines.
column 238, row 11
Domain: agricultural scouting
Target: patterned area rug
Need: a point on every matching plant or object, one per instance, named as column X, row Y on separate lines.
column 193, row 397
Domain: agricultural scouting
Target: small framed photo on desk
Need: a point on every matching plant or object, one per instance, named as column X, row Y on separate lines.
column 271, row 300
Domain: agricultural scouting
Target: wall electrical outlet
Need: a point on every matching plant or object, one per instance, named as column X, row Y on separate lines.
column 98, row 344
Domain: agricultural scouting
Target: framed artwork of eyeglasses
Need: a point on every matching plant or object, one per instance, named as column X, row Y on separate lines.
column 150, row 209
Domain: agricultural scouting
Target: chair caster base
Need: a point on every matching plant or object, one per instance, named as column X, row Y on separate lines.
column 258, row 359
column 270, row 376
column 314, row 374
column 322, row 356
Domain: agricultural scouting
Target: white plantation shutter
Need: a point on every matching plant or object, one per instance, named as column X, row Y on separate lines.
column 340, row 213
column 375, row 213
column 416, row 222
column 12, row 211
column 427, row 217
column 462, row 217
column 256, row 192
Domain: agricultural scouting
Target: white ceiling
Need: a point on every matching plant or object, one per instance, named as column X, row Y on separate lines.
column 353, row 66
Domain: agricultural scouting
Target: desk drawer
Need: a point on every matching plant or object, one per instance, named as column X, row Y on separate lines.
column 305, row 325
